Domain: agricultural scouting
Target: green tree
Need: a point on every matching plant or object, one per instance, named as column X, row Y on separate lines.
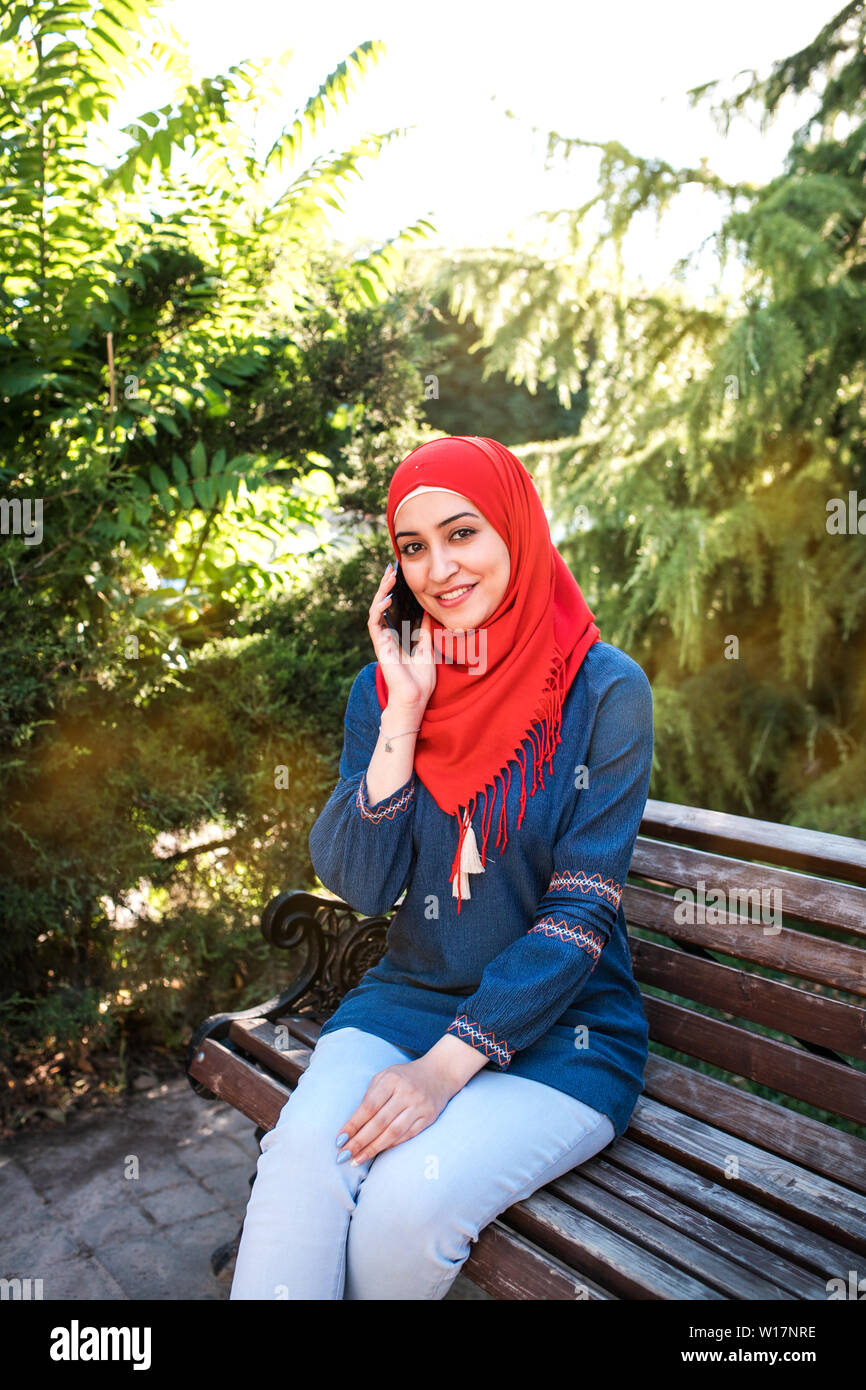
column 697, row 495
column 182, row 355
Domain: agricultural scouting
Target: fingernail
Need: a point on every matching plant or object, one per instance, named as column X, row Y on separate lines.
column 347, row 1153
column 341, row 1139
column 355, row 1161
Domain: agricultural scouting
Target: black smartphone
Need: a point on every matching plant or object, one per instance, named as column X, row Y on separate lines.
column 404, row 613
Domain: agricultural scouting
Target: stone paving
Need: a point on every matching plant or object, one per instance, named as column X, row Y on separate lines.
column 129, row 1201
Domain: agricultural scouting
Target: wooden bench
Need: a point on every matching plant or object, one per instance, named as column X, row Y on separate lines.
column 714, row 1191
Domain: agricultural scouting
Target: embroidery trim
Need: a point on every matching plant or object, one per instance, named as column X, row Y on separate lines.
column 584, row 937
column 398, row 802
column 473, row 1033
column 604, row 887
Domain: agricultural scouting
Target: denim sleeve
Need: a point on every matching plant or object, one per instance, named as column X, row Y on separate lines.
column 363, row 852
column 530, row 984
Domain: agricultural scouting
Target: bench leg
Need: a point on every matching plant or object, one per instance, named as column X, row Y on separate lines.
column 225, row 1253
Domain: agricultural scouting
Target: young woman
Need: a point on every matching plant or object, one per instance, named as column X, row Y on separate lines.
column 501, row 1040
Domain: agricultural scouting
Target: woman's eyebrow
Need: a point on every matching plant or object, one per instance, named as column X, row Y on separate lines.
column 439, row 524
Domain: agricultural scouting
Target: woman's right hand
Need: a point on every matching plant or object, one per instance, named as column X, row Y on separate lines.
column 411, row 679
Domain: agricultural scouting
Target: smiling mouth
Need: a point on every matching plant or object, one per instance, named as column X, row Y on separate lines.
column 451, row 594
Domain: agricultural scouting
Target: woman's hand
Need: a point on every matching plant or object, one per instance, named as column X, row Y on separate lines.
column 411, row 679
column 399, row 1103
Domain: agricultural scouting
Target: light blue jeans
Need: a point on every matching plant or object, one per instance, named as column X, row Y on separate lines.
column 400, row 1225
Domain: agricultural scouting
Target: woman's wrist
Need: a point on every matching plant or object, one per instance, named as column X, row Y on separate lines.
column 401, row 718
column 455, row 1060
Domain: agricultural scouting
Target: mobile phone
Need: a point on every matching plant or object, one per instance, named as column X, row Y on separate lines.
column 404, row 613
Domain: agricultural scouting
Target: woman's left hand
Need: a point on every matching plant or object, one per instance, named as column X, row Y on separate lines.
column 400, row 1102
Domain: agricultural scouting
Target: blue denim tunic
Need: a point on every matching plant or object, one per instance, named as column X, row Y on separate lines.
column 535, row 971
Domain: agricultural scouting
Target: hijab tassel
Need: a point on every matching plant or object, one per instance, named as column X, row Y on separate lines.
column 470, row 861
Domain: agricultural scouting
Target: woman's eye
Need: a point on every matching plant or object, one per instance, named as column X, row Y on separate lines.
column 461, row 531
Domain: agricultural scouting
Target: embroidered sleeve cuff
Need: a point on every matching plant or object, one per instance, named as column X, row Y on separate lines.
column 579, row 881
column 390, row 807
column 469, row 1031
column 573, row 933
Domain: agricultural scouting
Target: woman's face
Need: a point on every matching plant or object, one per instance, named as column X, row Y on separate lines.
column 446, row 542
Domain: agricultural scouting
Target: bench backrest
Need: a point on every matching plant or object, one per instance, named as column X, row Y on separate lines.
column 766, row 925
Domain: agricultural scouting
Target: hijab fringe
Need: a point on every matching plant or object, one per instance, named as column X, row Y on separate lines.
column 549, row 717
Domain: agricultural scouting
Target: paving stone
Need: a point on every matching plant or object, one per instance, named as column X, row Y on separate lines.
column 27, row 1220
column 157, row 1171
column 30, row 1254
column 204, row 1233
column 198, row 1239
column 231, row 1185
column 23, row 1209
column 146, row 1268
column 75, row 1280
column 250, row 1145
column 16, row 1189
column 111, row 1224
column 179, row 1203
column 80, row 1200
column 203, row 1156
column 59, row 1164
column 229, row 1121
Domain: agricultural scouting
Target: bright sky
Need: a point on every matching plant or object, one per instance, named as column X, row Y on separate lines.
column 453, row 69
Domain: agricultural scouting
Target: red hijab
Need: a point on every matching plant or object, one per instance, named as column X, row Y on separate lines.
column 476, row 720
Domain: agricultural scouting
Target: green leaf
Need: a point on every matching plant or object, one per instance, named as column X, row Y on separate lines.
column 199, row 487
column 139, row 487
column 198, row 458
column 159, row 418
column 119, row 298
column 20, row 379
column 159, row 479
column 15, row 19
column 179, row 469
column 106, row 38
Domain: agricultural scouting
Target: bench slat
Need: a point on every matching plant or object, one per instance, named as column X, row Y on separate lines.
column 630, row 1270
column 808, row 1199
column 818, row 900
column 305, row 1029
column 505, row 1265
column 232, row 1078
column 813, row 851
column 714, row 1196
column 259, row 1038
column 807, row 1016
column 794, row 952
column 776, row 1271
column 672, row 1243
column 824, row 1084
column 766, row 1123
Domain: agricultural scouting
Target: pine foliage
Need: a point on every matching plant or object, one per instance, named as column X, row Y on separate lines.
column 695, row 504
